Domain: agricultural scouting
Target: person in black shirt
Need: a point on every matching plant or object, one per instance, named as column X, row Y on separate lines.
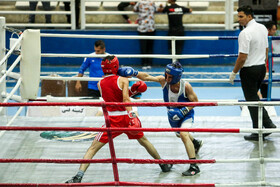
column 175, row 15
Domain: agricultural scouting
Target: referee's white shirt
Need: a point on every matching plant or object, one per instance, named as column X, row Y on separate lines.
column 253, row 41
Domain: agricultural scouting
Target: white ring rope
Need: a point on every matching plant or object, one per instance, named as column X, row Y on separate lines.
column 11, row 51
column 10, row 69
column 12, row 92
column 131, row 79
column 131, row 37
column 13, row 119
column 124, row 56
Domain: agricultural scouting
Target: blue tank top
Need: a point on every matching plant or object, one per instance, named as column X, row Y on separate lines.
column 181, row 97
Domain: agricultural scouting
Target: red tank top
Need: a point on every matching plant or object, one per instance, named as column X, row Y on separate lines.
column 111, row 92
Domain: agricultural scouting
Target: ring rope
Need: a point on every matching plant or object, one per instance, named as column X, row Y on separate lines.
column 10, row 69
column 114, row 160
column 116, row 183
column 11, row 51
column 144, row 104
column 136, row 79
column 118, row 160
column 147, row 37
column 123, row 129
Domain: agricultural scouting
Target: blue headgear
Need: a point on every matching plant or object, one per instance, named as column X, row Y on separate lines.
column 175, row 70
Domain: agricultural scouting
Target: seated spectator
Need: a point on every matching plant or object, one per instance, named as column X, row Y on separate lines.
column 46, row 6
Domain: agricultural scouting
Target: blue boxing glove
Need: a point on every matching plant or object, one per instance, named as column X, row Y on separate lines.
column 177, row 114
column 127, row 72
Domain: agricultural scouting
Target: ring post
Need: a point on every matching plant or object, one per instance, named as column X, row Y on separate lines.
column 30, row 64
column 3, row 66
column 261, row 151
column 269, row 68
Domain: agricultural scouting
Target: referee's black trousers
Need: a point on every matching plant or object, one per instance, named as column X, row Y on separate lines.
column 251, row 78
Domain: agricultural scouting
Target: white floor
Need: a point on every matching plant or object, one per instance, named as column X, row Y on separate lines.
column 219, row 146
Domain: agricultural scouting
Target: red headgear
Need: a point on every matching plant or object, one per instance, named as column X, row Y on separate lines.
column 110, row 65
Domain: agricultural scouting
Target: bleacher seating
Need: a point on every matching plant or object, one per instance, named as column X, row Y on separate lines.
column 93, row 4
column 96, row 18
column 198, row 4
column 107, row 4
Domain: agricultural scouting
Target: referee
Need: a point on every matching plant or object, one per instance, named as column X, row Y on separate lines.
column 253, row 52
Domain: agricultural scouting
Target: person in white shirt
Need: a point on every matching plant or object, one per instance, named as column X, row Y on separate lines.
column 253, row 52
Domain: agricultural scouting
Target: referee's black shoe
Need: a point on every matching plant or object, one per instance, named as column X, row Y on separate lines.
column 255, row 137
column 270, row 126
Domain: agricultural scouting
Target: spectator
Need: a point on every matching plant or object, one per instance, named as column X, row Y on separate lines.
column 175, row 15
column 122, row 6
column 253, row 51
column 94, row 65
column 146, row 27
column 46, row 6
column 77, row 12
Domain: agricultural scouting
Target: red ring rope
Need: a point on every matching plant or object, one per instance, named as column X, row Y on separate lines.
column 111, row 104
column 119, row 183
column 113, row 158
column 109, row 160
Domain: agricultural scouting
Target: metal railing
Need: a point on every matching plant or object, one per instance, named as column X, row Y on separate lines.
column 228, row 13
column 71, row 25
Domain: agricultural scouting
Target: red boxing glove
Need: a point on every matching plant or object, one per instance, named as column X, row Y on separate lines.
column 134, row 122
column 138, row 87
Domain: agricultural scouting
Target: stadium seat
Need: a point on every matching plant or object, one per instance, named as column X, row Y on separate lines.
column 198, row 4
column 25, row 5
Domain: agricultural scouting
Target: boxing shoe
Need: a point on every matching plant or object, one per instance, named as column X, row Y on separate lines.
column 75, row 179
column 165, row 167
column 197, row 145
column 193, row 170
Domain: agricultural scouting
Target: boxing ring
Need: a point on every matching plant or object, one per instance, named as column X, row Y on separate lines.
column 30, row 160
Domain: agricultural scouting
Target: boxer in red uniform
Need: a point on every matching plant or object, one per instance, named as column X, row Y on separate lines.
column 114, row 88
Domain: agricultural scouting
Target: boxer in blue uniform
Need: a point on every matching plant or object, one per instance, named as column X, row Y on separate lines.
column 175, row 90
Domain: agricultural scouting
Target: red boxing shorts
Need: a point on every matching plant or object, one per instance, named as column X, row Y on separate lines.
column 117, row 121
